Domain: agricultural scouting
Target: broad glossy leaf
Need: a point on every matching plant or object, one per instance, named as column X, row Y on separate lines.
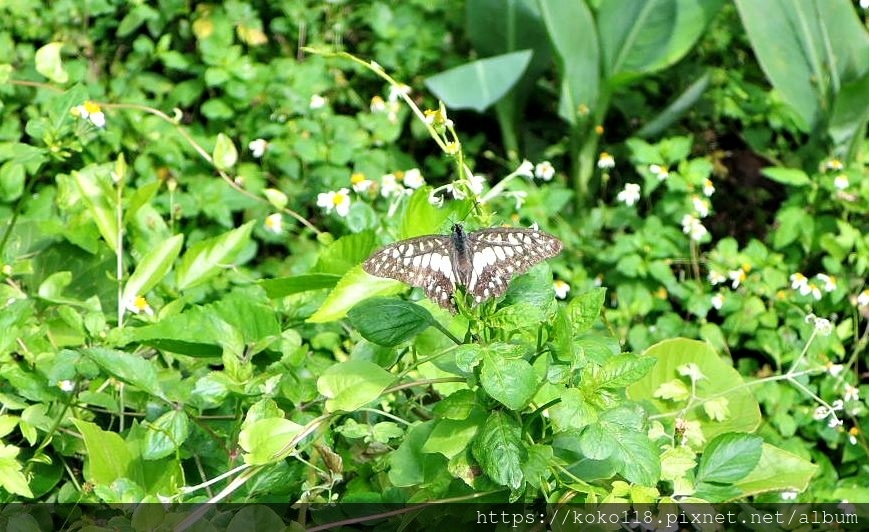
column 676, row 109
column 346, row 252
column 584, row 309
column 128, row 367
column 500, row 451
column 353, row 287
column 352, row 384
column 729, row 457
column 263, row 439
column 165, row 435
column 294, row 284
column 452, row 436
column 777, row 470
column 510, row 381
column 787, row 176
column 617, row 372
column 409, row 465
column 479, row 84
column 389, row 321
column 107, row 458
column 206, row 259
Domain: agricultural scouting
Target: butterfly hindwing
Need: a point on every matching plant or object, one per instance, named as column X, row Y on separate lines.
column 423, row 262
column 500, row 253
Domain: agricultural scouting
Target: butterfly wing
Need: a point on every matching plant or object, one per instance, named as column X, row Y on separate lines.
column 498, row 254
column 424, row 262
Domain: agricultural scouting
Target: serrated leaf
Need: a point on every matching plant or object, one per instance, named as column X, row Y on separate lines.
column 350, row 385
column 153, row 267
column 573, row 411
column 717, row 409
column 128, row 367
column 388, row 321
column 500, row 451
column 618, row 371
column 165, row 435
column 206, row 259
column 672, row 390
column 584, row 309
column 510, row 381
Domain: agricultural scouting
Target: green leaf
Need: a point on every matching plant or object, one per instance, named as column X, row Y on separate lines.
column 510, row 381
column 676, row 109
column 225, row 154
column 722, row 380
column 572, row 412
column 353, row 287
column 584, row 309
column 100, row 206
column 409, row 465
column 108, row 458
column 165, row 435
column 574, row 37
column 153, row 267
column 500, row 451
column 389, row 321
column 294, row 284
column 11, row 478
column 793, row 223
column 786, row 176
column 263, row 439
column 479, row 84
column 422, row 218
column 128, row 367
column 729, row 457
column 352, row 384
column 597, row 443
column 346, row 252
column 777, row 470
column 206, row 259
column 617, row 372
column 49, row 62
column 636, row 454
column 452, row 436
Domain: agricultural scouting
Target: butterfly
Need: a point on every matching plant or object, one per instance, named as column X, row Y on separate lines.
column 482, row 261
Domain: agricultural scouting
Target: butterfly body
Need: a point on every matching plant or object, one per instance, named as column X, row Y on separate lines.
column 482, row 261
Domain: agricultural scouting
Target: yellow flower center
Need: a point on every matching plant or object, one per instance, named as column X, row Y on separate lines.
column 339, row 199
column 91, row 107
column 140, row 303
column 357, row 177
column 399, row 175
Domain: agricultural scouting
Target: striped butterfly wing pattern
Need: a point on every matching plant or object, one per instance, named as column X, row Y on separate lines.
column 482, row 261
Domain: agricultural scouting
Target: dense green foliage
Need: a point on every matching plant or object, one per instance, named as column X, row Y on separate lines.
column 186, row 198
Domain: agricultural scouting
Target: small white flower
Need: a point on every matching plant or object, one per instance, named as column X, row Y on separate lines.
column 833, row 164
column 821, row 413
column 396, row 91
column 630, row 194
column 389, row 186
column 359, row 182
column 812, row 289
column 864, row 4
column 456, row 192
column 413, row 178
column 338, row 201
column 92, row 112
column 789, row 495
column 475, row 184
column 718, row 301
column 851, row 393
column 526, row 169
column 829, row 282
column 437, row 201
column 835, row 369
column 561, row 288
column 137, row 305
column 544, row 171
column 841, row 182
column 377, row 104
column 834, row 422
column 737, row 277
column 692, row 226
column 519, row 196
column 701, row 206
column 838, row 405
column 708, row 188
column 715, row 277
column 274, row 223
column 605, row 161
column 800, row 282
column 863, row 298
column 258, row 147
column 852, row 439
column 317, row 101
column 661, row 172
column 66, row 385
column 823, row 326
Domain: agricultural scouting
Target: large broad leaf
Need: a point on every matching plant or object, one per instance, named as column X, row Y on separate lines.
column 796, row 43
column 508, row 379
column 574, row 37
column 264, row 439
column 389, row 322
column 196, row 332
column 777, row 470
column 108, row 458
column 153, row 267
column 165, row 435
column 409, row 465
column 635, row 454
column 422, row 218
column 729, row 457
column 346, row 252
column 479, row 84
column 675, row 110
column 355, row 286
column 721, row 382
column 353, row 384
column 206, row 259
column 127, row 367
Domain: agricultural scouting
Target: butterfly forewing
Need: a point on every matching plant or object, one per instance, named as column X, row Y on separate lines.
column 485, row 264
column 424, row 262
column 500, row 253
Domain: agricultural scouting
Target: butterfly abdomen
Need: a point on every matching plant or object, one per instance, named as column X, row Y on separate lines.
column 461, row 255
